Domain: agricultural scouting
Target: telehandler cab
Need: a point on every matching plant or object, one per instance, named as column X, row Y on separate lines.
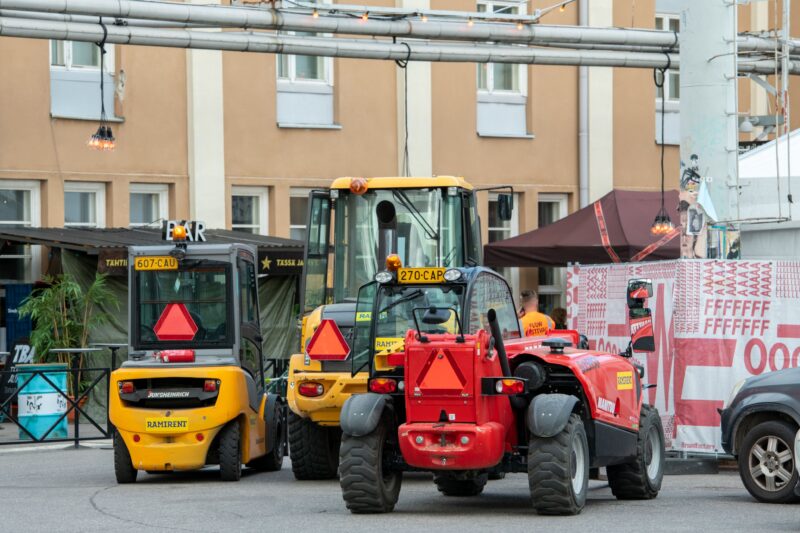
column 351, row 228
column 470, row 399
column 193, row 391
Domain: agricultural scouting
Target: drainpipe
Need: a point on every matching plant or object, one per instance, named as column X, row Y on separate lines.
column 583, row 116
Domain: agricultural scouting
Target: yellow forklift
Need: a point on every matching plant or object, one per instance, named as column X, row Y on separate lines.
column 192, row 392
column 351, row 228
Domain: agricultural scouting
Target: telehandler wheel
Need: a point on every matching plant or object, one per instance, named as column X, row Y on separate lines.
column 313, row 449
column 230, row 452
column 558, row 470
column 367, row 487
column 450, row 486
column 272, row 461
column 123, row 466
column 641, row 479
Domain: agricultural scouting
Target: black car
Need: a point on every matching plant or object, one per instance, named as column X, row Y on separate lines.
column 759, row 426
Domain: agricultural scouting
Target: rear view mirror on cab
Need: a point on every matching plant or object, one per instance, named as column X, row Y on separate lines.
column 641, row 321
column 505, row 206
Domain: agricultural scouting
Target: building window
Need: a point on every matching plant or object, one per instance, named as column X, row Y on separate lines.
column 19, row 208
column 249, row 209
column 74, row 80
column 305, row 89
column 672, row 90
column 552, row 207
column 503, row 229
column 298, row 213
column 84, row 205
column 149, row 204
column 502, row 88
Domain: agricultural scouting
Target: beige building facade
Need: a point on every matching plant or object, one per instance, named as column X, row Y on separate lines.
column 238, row 139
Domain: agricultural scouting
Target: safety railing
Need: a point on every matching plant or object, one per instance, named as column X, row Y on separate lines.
column 33, row 419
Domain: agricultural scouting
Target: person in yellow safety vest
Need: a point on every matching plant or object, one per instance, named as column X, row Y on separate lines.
column 533, row 322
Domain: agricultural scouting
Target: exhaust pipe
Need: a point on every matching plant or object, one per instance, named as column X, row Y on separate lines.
column 497, row 335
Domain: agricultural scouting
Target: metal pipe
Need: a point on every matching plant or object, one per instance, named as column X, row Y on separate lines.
column 583, row 117
column 350, row 48
column 259, row 18
column 88, row 19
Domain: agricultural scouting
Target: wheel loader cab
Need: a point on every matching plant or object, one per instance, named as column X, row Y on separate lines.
column 193, row 391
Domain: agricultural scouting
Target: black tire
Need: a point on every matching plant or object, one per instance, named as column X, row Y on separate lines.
column 313, row 449
column 123, row 466
column 641, row 479
column 767, row 485
column 366, row 486
column 272, row 461
column 450, row 486
column 558, row 470
column 230, row 452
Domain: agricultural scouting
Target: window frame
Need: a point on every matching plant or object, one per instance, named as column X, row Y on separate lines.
column 262, row 195
column 662, row 21
column 327, row 64
column 559, row 274
column 34, row 252
column 108, row 62
column 299, row 192
column 160, row 189
column 489, row 93
column 99, row 188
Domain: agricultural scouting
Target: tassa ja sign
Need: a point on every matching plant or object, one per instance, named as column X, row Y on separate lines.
column 195, row 229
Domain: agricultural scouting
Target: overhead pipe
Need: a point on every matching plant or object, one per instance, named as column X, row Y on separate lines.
column 349, row 48
column 58, row 17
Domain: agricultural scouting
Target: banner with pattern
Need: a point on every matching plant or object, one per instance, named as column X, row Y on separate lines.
column 715, row 323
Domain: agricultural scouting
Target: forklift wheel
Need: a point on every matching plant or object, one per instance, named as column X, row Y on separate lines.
column 450, row 486
column 230, row 452
column 558, row 470
column 366, row 486
column 641, row 479
column 272, row 461
column 123, row 466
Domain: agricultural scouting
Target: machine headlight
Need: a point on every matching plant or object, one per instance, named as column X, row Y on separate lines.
column 452, row 274
column 734, row 392
column 383, row 277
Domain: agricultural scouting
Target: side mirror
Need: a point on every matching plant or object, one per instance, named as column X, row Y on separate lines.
column 642, row 338
column 638, row 291
column 505, row 206
column 436, row 315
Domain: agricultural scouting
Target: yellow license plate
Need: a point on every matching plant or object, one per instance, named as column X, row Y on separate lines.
column 156, row 262
column 167, row 424
column 420, row 275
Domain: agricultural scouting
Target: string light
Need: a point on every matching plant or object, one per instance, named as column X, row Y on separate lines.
column 424, row 18
column 519, row 26
column 103, row 138
column 315, row 14
column 662, row 224
column 563, row 8
column 365, row 16
column 470, row 22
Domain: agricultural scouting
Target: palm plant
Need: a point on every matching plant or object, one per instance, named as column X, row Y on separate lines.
column 64, row 314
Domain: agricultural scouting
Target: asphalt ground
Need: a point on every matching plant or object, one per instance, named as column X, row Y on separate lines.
column 57, row 489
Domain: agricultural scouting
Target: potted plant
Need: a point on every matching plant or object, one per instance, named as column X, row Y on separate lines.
column 63, row 315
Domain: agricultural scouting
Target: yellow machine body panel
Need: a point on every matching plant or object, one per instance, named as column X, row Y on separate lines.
column 179, row 438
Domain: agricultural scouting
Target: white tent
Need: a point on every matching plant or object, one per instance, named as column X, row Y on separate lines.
column 771, row 222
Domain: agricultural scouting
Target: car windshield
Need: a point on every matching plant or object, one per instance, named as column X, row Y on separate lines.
column 427, row 232
column 189, row 306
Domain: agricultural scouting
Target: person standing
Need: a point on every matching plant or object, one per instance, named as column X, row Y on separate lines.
column 533, row 322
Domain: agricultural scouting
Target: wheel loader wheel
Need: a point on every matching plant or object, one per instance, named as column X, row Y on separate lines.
column 272, row 461
column 123, row 466
column 367, row 487
column 641, row 479
column 230, row 452
column 450, row 486
column 558, row 470
column 313, row 449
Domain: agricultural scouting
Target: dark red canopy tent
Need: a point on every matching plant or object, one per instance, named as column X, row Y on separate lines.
column 615, row 228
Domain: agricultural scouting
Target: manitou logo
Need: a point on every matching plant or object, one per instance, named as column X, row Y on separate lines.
column 605, row 405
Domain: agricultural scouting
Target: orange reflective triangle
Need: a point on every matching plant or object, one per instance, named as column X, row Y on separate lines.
column 327, row 343
column 441, row 375
column 175, row 324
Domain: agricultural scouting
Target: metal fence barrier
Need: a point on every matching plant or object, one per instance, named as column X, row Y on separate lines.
column 72, row 402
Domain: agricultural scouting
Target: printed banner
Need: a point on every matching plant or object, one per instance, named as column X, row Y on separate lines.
column 715, row 323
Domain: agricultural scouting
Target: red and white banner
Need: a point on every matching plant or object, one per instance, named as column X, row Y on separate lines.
column 715, row 323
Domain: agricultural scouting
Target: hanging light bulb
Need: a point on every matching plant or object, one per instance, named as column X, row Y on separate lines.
column 562, row 8
column 102, row 139
column 365, row 16
column 315, row 13
column 470, row 22
column 662, row 223
column 520, row 26
column 424, row 18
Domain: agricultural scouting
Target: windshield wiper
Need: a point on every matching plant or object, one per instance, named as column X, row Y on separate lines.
column 406, row 202
column 407, row 298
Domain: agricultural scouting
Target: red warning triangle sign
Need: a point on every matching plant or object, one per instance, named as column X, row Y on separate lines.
column 175, row 324
column 441, row 374
column 327, row 343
